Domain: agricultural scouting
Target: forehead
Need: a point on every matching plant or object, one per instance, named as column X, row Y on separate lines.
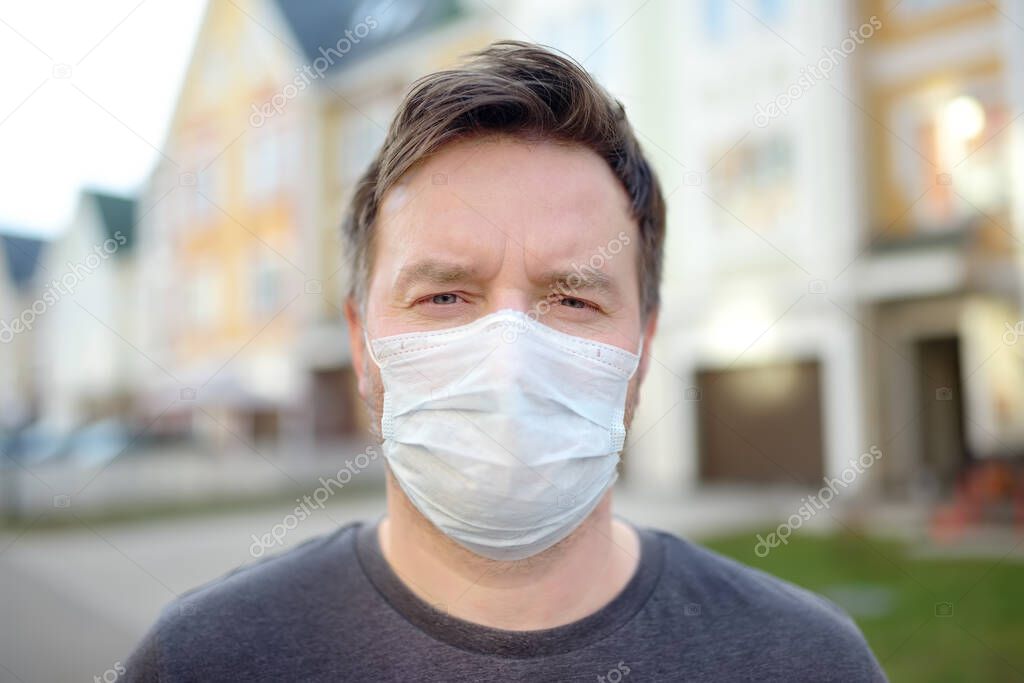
column 481, row 197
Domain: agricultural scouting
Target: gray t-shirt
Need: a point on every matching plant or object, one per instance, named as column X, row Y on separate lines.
column 333, row 610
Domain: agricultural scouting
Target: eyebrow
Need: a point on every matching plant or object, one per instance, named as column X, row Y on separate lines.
column 433, row 272
column 437, row 272
column 586, row 278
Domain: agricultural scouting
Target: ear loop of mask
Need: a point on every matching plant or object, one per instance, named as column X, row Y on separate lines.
column 386, row 420
column 369, row 347
column 640, row 355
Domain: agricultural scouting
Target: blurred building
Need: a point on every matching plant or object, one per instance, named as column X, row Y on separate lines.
column 20, row 308
column 364, row 57
column 843, row 267
column 941, row 277
column 220, row 242
column 283, row 105
column 845, row 254
column 8, row 392
column 87, row 376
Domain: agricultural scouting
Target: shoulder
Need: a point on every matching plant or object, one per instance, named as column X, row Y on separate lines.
column 278, row 581
column 735, row 585
column 756, row 610
column 248, row 605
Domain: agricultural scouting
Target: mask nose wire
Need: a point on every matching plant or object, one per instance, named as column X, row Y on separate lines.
column 373, row 356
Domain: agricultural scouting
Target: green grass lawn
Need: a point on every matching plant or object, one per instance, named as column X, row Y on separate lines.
column 898, row 602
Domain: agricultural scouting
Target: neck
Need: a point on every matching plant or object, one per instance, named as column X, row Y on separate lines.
column 572, row 579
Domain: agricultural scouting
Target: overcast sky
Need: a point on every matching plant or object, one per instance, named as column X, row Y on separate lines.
column 87, row 92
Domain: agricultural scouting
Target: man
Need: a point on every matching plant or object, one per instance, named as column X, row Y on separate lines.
column 505, row 248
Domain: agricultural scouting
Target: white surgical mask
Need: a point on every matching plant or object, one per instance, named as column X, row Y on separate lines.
column 504, row 433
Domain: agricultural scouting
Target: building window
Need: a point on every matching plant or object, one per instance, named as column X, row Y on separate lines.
column 205, row 297
column 360, row 136
column 715, row 20
column 215, row 73
column 207, row 192
column 910, row 9
column 948, row 161
column 266, row 283
column 754, row 181
column 267, row 162
column 722, row 21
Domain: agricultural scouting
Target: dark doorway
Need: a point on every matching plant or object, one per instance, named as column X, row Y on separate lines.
column 761, row 424
column 266, row 424
column 334, row 409
column 943, row 448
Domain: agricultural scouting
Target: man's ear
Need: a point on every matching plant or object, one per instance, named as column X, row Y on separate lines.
column 650, row 327
column 357, row 343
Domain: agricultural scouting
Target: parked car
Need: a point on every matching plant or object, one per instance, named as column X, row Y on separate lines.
column 34, row 445
column 96, row 444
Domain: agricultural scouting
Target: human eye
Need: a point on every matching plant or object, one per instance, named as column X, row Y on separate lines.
column 440, row 300
column 575, row 303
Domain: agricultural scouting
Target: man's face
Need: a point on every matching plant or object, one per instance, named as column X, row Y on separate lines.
column 493, row 223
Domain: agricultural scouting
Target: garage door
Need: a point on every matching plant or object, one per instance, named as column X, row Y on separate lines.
column 761, row 424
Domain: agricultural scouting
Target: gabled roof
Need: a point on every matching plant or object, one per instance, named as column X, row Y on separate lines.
column 21, row 256
column 322, row 24
column 117, row 215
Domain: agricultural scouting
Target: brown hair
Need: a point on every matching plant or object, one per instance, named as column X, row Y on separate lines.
column 521, row 89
